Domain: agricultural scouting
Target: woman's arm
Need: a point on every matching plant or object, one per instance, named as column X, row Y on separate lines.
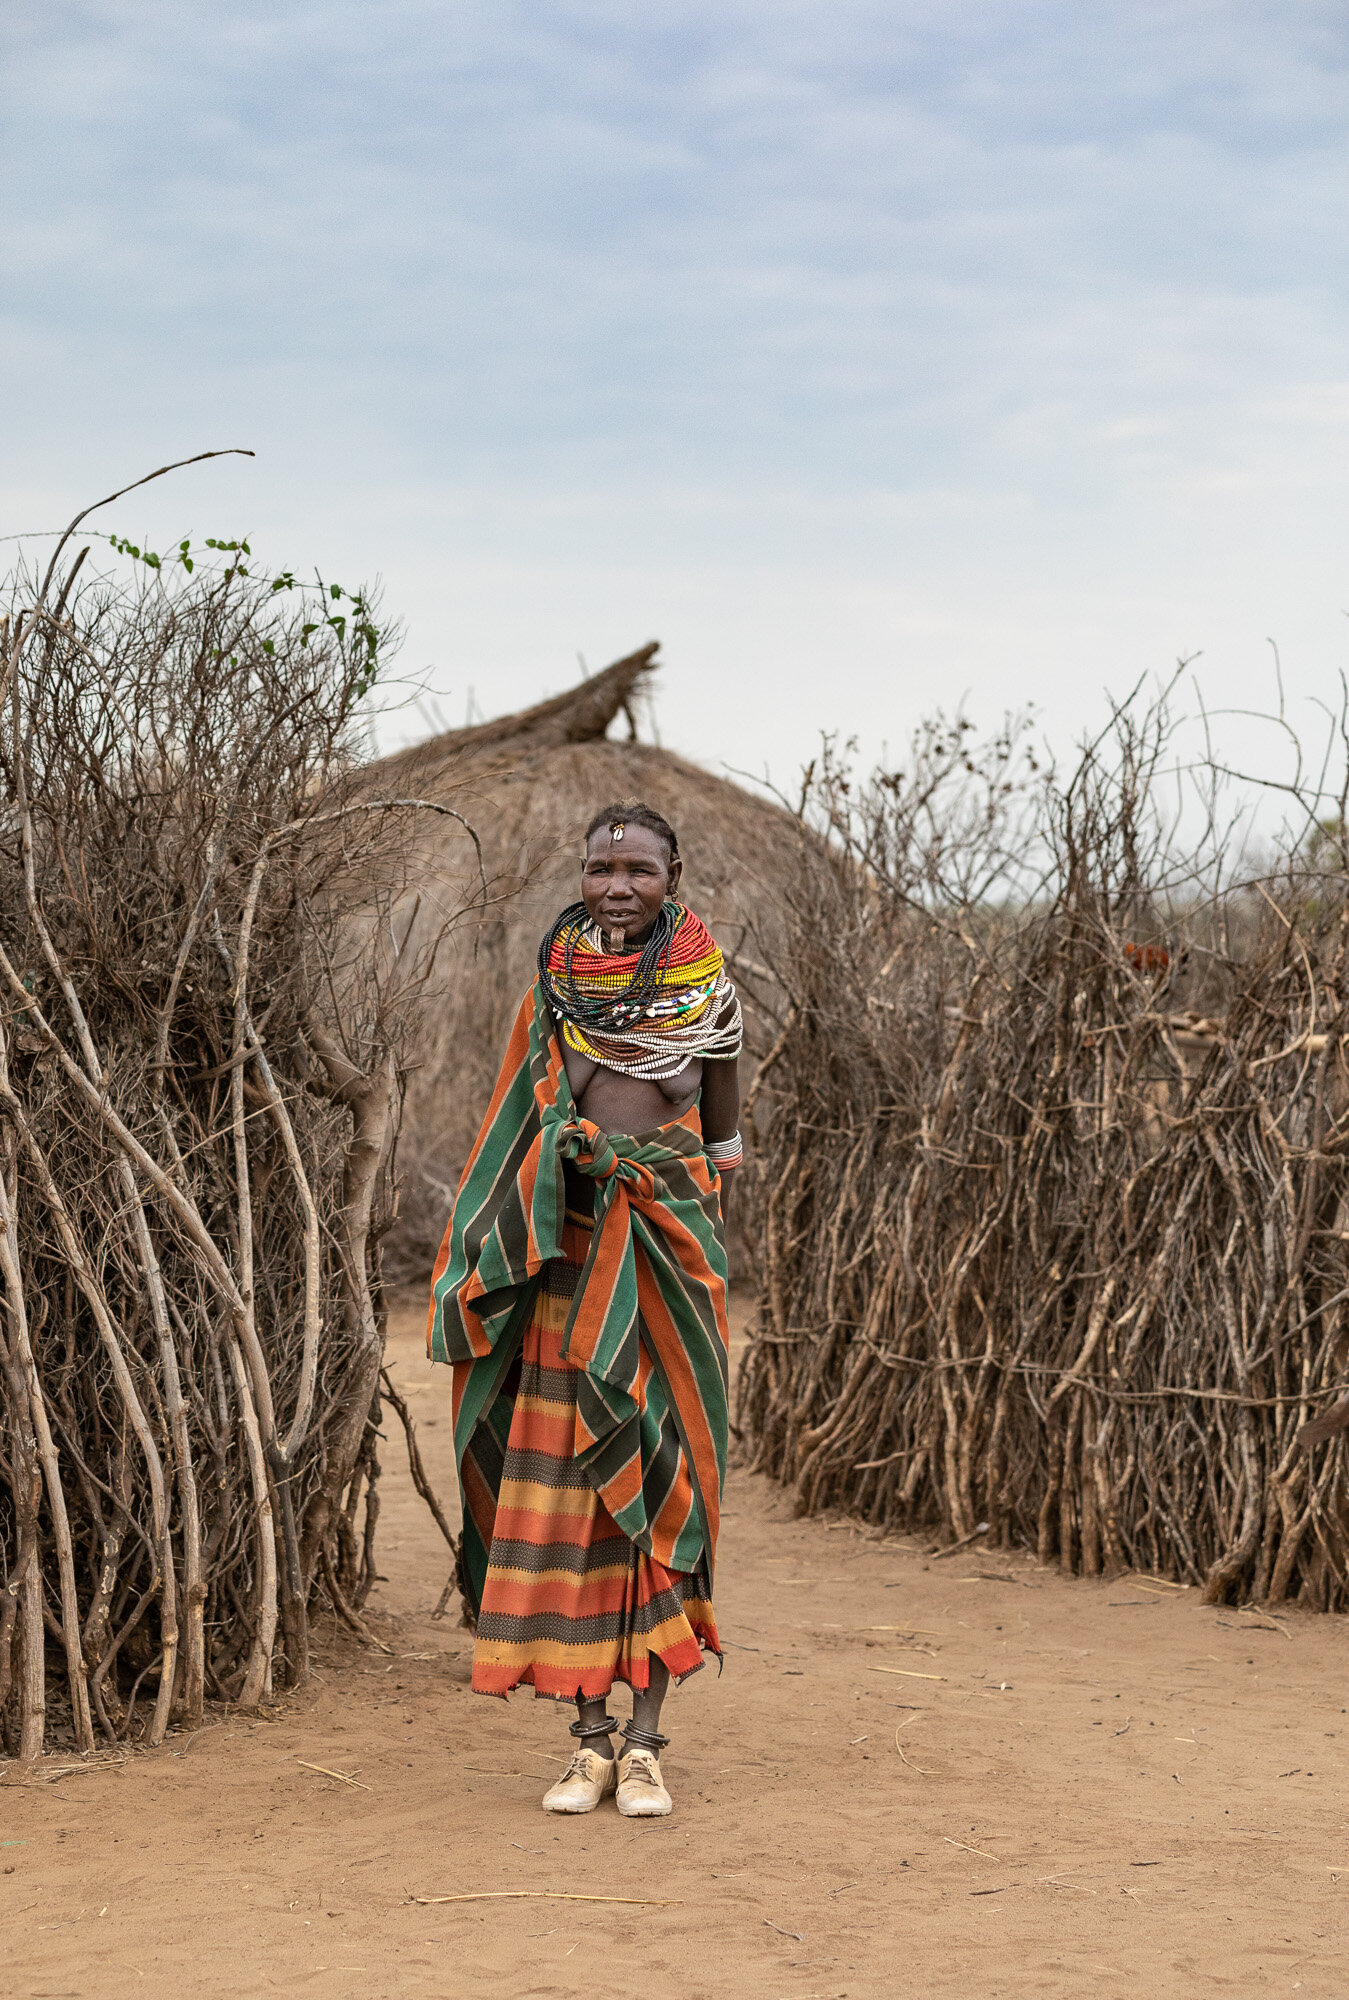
column 720, row 1108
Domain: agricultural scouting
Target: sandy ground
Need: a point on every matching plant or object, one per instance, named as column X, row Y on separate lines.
column 963, row 1777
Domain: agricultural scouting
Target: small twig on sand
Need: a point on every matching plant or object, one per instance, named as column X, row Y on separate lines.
column 902, row 1758
column 940, row 1555
column 1252, row 1625
column 333, row 1774
column 550, row 1896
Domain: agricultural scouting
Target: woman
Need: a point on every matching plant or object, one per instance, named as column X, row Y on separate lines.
column 581, row 1295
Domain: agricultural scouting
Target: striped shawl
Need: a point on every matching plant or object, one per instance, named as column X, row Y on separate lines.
column 656, row 1267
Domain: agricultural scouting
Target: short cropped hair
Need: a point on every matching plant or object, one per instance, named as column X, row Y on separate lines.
column 634, row 813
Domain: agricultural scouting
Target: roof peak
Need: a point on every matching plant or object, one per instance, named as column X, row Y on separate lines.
column 581, row 714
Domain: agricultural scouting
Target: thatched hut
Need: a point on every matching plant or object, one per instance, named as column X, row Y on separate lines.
column 526, row 784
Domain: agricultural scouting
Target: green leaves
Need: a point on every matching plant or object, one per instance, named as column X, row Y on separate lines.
column 355, row 630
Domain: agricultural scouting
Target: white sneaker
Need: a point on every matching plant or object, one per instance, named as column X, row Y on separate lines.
column 587, row 1779
column 641, row 1790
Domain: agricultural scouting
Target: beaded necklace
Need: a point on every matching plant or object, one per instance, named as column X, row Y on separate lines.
column 647, row 1013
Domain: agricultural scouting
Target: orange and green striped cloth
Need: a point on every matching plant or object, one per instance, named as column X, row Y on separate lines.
column 654, row 1275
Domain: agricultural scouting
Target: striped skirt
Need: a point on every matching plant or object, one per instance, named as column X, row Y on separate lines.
column 570, row 1605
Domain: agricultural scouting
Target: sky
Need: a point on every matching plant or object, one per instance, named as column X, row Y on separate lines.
column 873, row 355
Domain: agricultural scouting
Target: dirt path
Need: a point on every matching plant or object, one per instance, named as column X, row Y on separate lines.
column 965, row 1777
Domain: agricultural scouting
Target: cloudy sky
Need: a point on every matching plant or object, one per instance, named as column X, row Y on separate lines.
column 869, row 353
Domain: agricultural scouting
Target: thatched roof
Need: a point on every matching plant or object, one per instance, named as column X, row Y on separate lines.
column 528, row 783
column 582, row 715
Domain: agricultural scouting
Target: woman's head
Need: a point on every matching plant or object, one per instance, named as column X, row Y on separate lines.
column 631, row 865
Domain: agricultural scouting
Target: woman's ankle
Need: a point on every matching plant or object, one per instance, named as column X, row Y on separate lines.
column 644, row 1735
column 594, row 1727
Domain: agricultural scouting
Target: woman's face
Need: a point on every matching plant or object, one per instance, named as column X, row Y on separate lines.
column 624, row 882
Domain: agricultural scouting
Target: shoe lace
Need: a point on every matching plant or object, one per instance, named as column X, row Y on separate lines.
column 579, row 1766
column 642, row 1769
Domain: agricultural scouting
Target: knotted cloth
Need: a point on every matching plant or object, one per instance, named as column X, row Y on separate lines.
column 655, row 1272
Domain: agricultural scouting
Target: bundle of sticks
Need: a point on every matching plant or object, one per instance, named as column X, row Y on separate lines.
column 1046, row 1253
column 202, row 1007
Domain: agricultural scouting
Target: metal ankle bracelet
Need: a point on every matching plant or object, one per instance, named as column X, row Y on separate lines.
column 644, row 1739
column 584, row 1729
